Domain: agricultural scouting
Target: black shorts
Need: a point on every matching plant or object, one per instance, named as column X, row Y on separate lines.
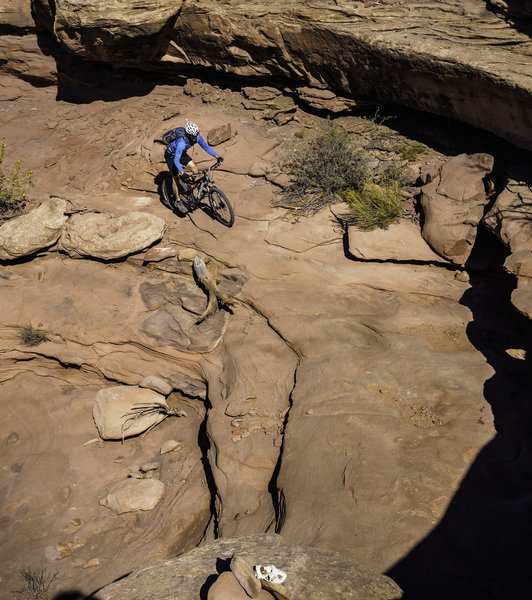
column 169, row 158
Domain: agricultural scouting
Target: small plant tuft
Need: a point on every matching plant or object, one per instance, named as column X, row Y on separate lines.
column 13, row 186
column 37, row 581
column 375, row 205
column 411, row 152
column 30, row 336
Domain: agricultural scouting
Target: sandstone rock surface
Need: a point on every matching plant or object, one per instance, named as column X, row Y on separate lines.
column 226, row 587
column 394, row 372
column 453, row 205
column 108, row 237
column 134, row 494
column 34, row 231
column 312, row 573
column 384, row 52
column 130, row 31
column 112, row 404
column 510, row 219
column 400, row 242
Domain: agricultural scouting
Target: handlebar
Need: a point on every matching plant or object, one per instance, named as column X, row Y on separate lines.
column 196, row 176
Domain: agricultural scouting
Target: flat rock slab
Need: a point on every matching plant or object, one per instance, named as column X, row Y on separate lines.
column 29, row 233
column 107, row 237
column 311, row 573
column 134, row 494
column 400, row 242
column 111, row 404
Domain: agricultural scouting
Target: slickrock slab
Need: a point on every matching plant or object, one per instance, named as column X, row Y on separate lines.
column 311, row 573
column 108, row 237
column 400, row 242
column 34, row 231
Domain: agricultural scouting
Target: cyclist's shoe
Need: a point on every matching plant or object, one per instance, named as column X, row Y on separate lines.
column 181, row 207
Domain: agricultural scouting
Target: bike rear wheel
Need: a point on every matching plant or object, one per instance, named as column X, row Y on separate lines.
column 221, row 207
column 167, row 193
column 169, row 198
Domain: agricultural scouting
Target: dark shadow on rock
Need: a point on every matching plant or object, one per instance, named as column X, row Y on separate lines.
column 74, row 595
column 222, row 565
column 481, row 547
column 517, row 13
column 82, row 81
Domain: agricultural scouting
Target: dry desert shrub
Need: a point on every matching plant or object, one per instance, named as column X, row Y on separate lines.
column 319, row 168
column 37, row 581
column 30, row 336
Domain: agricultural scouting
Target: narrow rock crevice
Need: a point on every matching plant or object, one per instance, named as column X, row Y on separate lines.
column 204, row 444
column 278, row 497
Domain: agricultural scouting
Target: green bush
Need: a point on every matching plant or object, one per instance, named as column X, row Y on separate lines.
column 319, row 169
column 411, row 152
column 13, row 186
column 374, row 205
column 30, row 336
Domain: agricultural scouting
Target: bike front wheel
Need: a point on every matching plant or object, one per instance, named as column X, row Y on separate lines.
column 221, row 207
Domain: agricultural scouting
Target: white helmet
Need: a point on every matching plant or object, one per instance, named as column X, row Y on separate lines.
column 191, row 129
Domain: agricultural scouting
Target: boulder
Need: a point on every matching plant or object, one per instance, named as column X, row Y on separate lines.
column 522, row 297
column 158, row 253
column 226, row 587
column 510, row 218
column 323, row 99
column 519, row 263
column 134, row 494
column 107, row 236
column 311, row 573
column 16, row 15
column 402, row 241
column 219, row 135
column 112, row 404
column 122, row 30
column 34, row 231
column 453, row 205
column 29, row 58
column 157, row 384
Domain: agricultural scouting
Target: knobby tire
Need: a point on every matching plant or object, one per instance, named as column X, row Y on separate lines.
column 221, row 207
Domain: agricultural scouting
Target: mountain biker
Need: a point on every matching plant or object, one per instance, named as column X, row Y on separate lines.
column 176, row 157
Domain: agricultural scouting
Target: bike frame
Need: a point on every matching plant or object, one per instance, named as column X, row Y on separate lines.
column 201, row 183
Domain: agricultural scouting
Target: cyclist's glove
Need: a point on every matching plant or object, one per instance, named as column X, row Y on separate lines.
column 219, row 160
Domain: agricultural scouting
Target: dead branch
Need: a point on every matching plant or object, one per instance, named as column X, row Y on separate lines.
column 215, row 296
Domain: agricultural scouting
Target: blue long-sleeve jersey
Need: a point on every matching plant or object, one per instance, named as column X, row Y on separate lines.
column 182, row 144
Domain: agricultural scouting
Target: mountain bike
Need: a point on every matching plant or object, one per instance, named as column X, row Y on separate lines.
column 192, row 190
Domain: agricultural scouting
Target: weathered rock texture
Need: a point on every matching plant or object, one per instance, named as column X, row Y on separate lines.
column 34, row 231
column 453, row 205
column 333, row 55
column 400, row 242
column 134, row 494
column 112, row 405
column 347, row 404
column 107, row 236
column 510, row 219
column 312, row 573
